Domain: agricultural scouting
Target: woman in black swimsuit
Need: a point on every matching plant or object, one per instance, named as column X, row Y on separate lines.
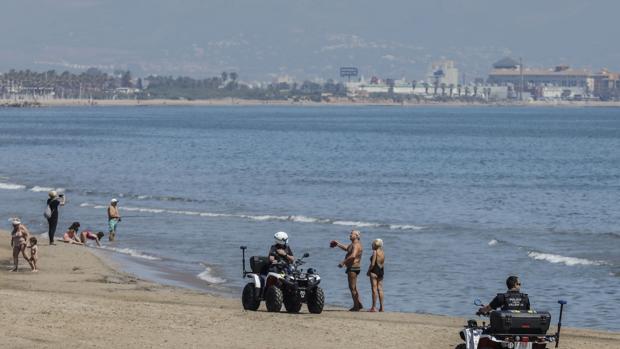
column 375, row 272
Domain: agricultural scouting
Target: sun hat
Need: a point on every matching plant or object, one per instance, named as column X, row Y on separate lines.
column 113, row 200
column 52, row 194
column 15, row 221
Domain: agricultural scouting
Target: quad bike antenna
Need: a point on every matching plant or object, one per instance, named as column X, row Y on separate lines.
column 243, row 258
column 557, row 335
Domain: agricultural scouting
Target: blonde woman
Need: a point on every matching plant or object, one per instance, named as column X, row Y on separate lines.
column 375, row 272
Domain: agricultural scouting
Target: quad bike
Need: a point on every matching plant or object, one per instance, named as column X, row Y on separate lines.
column 511, row 329
column 281, row 283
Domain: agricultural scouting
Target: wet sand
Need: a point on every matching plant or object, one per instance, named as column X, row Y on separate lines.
column 79, row 301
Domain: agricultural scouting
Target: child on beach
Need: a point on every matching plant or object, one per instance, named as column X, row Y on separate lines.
column 34, row 254
column 71, row 234
column 89, row 235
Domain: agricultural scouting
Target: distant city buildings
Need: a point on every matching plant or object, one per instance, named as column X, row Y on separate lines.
column 507, row 79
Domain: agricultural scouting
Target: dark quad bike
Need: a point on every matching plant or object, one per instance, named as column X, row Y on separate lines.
column 511, row 329
column 288, row 285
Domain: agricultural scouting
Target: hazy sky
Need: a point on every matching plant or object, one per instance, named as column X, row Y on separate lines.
column 261, row 39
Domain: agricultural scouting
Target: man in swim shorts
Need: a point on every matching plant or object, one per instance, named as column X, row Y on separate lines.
column 113, row 218
column 353, row 263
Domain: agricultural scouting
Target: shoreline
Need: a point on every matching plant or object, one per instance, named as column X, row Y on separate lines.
column 78, row 300
column 362, row 102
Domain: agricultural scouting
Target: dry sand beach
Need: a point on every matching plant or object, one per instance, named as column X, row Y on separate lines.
column 78, row 301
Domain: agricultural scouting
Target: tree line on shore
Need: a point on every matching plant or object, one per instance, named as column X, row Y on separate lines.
column 96, row 84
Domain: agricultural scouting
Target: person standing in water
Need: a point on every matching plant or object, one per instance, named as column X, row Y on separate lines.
column 113, row 218
column 353, row 263
column 51, row 213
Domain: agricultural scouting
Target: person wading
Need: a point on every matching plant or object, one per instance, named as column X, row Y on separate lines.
column 113, row 218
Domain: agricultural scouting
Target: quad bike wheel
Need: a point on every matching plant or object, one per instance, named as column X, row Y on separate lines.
column 274, row 299
column 292, row 302
column 248, row 298
column 316, row 301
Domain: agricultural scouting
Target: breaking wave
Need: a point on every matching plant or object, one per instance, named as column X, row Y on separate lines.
column 12, row 186
column 132, row 252
column 209, row 277
column 262, row 218
column 493, row 242
column 38, row 189
column 558, row 259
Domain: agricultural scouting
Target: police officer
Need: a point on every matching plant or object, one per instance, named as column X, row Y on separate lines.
column 280, row 251
column 513, row 299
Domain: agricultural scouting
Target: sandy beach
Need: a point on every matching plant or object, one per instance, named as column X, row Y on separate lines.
column 78, row 301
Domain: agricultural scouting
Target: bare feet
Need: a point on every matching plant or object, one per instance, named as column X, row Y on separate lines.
column 35, row 270
column 372, row 310
column 14, row 270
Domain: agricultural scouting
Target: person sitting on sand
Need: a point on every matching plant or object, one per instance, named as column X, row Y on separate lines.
column 353, row 262
column 513, row 299
column 19, row 236
column 34, row 254
column 71, row 236
column 375, row 272
column 89, row 235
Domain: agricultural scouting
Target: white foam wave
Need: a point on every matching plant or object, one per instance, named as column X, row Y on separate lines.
column 208, row 277
column 304, row 219
column 38, row 189
column 554, row 258
column 493, row 242
column 12, row 186
column 132, row 252
column 357, row 224
column 405, row 227
column 263, row 218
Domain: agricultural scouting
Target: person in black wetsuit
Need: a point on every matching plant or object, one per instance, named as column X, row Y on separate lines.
column 51, row 213
column 513, row 299
column 375, row 273
column 280, row 251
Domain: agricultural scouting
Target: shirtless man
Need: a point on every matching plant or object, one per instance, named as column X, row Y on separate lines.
column 113, row 218
column 353, row 262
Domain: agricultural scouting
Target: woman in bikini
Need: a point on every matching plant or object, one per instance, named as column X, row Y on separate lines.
column 19, row 236
column 89, row 235
column 375, row 272
column 71, row 236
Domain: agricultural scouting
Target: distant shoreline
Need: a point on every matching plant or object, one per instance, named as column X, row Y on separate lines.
column 333, row 102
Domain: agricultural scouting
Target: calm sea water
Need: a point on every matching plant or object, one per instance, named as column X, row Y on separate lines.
column 461, row 197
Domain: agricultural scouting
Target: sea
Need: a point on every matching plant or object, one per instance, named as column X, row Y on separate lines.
column 462, row 197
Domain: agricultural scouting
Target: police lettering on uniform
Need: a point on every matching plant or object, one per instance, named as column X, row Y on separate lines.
column 513, row 299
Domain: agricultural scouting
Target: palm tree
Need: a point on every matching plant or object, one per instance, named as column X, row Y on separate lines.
column 451, row 87
column 443, row 88
column 426, row 86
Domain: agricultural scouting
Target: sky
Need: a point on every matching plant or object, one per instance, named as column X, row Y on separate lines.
column 305, row 39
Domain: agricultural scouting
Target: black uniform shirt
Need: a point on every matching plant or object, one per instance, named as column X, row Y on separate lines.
column 274, row 248
column 511, row 300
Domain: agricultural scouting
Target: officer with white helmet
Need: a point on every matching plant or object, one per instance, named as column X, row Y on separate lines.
column 281, row 251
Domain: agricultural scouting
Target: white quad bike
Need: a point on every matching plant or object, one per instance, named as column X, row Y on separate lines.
column 284, row 284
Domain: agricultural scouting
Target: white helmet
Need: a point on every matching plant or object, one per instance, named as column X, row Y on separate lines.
column 281, row 237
